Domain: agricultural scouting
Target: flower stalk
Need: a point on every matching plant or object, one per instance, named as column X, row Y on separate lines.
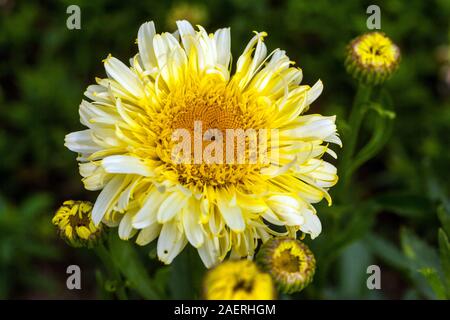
column 371, row 59
column 359, row 109
column 113, row 273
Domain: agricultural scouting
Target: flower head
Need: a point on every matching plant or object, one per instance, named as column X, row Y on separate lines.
column 289, row 262
column 372, row 58
column 74, row 222
column 238, row 280
column 184, row 151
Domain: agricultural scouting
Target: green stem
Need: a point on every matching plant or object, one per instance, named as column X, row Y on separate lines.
column 186, row 275
column 358, row 111
column 381, row 134
column 113, row 273
column 126, row 260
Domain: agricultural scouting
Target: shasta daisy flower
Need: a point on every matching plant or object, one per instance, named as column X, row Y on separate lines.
column 182, row 82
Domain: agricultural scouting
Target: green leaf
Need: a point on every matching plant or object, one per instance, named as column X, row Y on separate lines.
column 36, row 204
column 387, row 251
column 434, row 281
column 128, row 262
column 380, row 135
column 358, row 220
column 381, row 111
column 444, row 217
column 353, row 264
column 403, row 204
column 411, row 294
column 102, row 286
column 161, row 278
column 444, row 251
column 421, row 256
column 153, row 250
column 186, row 274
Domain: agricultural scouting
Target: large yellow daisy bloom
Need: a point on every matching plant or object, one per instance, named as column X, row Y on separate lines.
column 177, row 81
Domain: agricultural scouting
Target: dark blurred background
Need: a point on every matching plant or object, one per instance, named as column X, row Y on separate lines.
column 45, row 67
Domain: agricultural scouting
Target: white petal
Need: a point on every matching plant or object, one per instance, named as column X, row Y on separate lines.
column 331, row 153
column 334, row 138
column 191, row 224
column 223, row 46
column 125, row 197
column 291, row 105
column 81, row 142
column 322, row 173
column 208, row 253
column 163, row 44
column 314, row 92
column 94, row 176
column 171, row 206
column 124, row 76
column 145, row 43
column 97, row 93
column 125, row 227
column 170, row 242
column 88, row 168
column 96, row 115
column 146, row 216
column 216, row 222
column 126, row 165
column 287, row 208
column 105, row 199
column 248, row 65
column 312, row 127
column 271, row 217
column 312, row 224
column 124, row 113
column 187, row 34
column 148, row 234
column 231, row 214
column 283, row 203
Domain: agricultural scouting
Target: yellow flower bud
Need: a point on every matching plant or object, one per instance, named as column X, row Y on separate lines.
column 290, row 263
column 74, row 222
column 372, row 58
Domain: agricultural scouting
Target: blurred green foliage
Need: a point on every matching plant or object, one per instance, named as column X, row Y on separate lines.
column 44, row 68
column 23, row 244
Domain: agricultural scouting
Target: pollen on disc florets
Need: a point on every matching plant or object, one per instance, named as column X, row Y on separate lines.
column 74, row 222
column 213, row 105
column 289, row 261
column 238, row 280
column 372, row 58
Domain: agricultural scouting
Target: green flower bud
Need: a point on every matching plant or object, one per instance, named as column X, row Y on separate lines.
column 290, row 263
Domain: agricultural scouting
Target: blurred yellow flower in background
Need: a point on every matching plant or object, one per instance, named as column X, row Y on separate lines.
column 194, row 13
column 238, row 280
